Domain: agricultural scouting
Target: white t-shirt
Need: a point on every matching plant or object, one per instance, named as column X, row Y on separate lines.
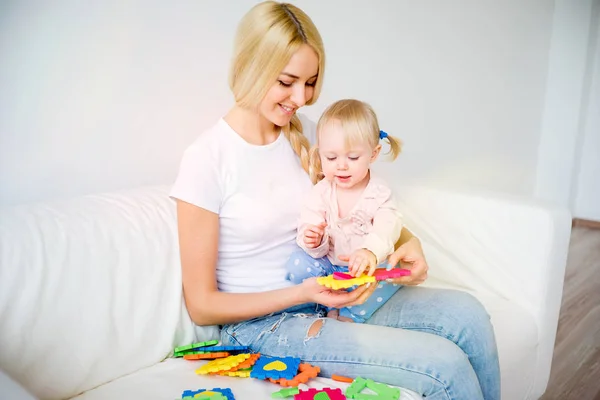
column 258, row 192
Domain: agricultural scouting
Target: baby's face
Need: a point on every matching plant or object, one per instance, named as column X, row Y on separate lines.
column 345, row 165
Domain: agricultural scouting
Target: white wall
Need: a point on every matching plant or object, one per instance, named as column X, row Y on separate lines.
column 586, row 193
column 566, row 89
column 107, row 95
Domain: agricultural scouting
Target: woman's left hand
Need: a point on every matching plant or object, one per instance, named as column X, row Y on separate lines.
column 410, row 256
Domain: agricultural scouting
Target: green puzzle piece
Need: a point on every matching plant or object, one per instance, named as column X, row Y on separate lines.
column 384, row 392
column 182, row 349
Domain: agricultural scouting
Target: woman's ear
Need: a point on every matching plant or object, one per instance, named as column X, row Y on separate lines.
column 375, row 153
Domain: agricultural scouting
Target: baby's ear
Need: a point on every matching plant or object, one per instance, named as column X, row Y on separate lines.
column 375, row 153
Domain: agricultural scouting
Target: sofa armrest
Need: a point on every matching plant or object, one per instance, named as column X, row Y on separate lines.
column 507, row 246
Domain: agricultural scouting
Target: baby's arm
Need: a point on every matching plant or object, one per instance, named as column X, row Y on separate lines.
column 387, row 225
column 313, row 218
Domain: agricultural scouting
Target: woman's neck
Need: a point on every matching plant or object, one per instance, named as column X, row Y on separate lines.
column 252, row 126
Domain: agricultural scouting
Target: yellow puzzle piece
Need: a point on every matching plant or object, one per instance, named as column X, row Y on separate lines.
column 335, row 284
column 238, row 373
column 222, row 364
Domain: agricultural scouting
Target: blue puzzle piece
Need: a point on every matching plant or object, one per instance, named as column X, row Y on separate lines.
column 259, row 372
column 189, row 394
column 213, row 349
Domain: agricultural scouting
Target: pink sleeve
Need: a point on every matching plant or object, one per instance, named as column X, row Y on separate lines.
column 387, row 225
column 314, row 212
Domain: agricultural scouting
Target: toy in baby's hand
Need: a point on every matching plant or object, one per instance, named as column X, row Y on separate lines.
column 340, row 280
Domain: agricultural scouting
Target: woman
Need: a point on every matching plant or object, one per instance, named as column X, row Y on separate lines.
column 239, row 190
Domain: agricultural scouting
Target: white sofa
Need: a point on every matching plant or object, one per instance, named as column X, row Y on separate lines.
column 91, row 305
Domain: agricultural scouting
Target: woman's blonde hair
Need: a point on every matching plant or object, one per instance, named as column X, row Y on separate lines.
column 359, row 124
column 266, row 38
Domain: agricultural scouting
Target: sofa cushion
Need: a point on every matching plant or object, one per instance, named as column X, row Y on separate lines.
column 90, row 290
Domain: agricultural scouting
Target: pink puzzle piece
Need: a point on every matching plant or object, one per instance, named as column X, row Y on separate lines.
column 342, row 276
column 312, row 394
column 382, row 274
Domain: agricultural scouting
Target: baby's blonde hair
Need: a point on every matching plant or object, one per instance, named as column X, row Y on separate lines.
column 266, row 39
column 359, row 124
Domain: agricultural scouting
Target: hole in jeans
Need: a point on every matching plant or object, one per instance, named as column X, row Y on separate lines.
column 314, row 330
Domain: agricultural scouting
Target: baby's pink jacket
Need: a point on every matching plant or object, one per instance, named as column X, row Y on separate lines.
column 374, row 223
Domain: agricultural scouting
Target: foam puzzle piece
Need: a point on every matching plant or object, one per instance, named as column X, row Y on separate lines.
column 212, row 394
column 306, row 372
column 275, row 367
column 188, row 347
column 383, row 274
column 283, row 393
column 340, row 378
column 384, row 392
column 320, row 394
column 206, row 356
column 342, row 276
column 230, row 349
column 330, row 282
column 222, row 364
column 249, row 362
column 242, row 373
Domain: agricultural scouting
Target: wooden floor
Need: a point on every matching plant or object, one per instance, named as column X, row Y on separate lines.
column 576, row 364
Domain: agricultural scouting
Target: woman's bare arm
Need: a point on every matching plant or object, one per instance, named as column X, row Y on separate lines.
column 405, row 236
column 198, row 243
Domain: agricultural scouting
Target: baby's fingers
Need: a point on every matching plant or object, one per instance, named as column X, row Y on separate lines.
column 364, row 264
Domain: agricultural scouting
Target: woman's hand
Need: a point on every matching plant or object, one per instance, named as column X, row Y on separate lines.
column 315, row 293
column 410, row 256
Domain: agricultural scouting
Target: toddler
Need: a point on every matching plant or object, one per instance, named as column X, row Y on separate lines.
column 350, row 221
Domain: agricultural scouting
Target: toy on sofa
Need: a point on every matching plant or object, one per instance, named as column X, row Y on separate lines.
column 288, row 372
column 212, row 394
column 383, row 392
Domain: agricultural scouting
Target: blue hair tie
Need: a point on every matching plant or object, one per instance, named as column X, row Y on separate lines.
column 382, row 135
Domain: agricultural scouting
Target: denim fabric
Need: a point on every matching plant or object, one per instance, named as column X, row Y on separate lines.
column 439, row 343
column 301, row 266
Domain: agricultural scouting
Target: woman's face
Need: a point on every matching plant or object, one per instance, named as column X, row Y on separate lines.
column 294, row 87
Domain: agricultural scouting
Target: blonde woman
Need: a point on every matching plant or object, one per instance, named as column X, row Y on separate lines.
column 239, row 190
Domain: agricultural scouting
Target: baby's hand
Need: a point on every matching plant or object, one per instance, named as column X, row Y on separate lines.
column 313, row 235
column 361, row 260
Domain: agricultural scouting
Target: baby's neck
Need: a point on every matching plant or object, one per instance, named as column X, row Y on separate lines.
column 348, row 197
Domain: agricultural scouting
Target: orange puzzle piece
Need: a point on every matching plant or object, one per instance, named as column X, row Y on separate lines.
column 206, row 356
column 246, row 363
column 307, row 372
column 341, row 378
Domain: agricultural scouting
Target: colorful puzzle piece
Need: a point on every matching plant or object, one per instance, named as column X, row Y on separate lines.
column 206, row 356
column 249, row 362
column 383, row 274
column 330, row 282
column 342, row 276
column 275, row 367
column 307, row 372
column 230, row 349
column 384, row 392
column 320, row 394
column 240, row 373
column 213, row 394
column 222, row 364
column 340, row 378
column 188, row 347
column 283, row 393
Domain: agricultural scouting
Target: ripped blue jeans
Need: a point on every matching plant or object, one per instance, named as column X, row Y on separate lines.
column 439, row 343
